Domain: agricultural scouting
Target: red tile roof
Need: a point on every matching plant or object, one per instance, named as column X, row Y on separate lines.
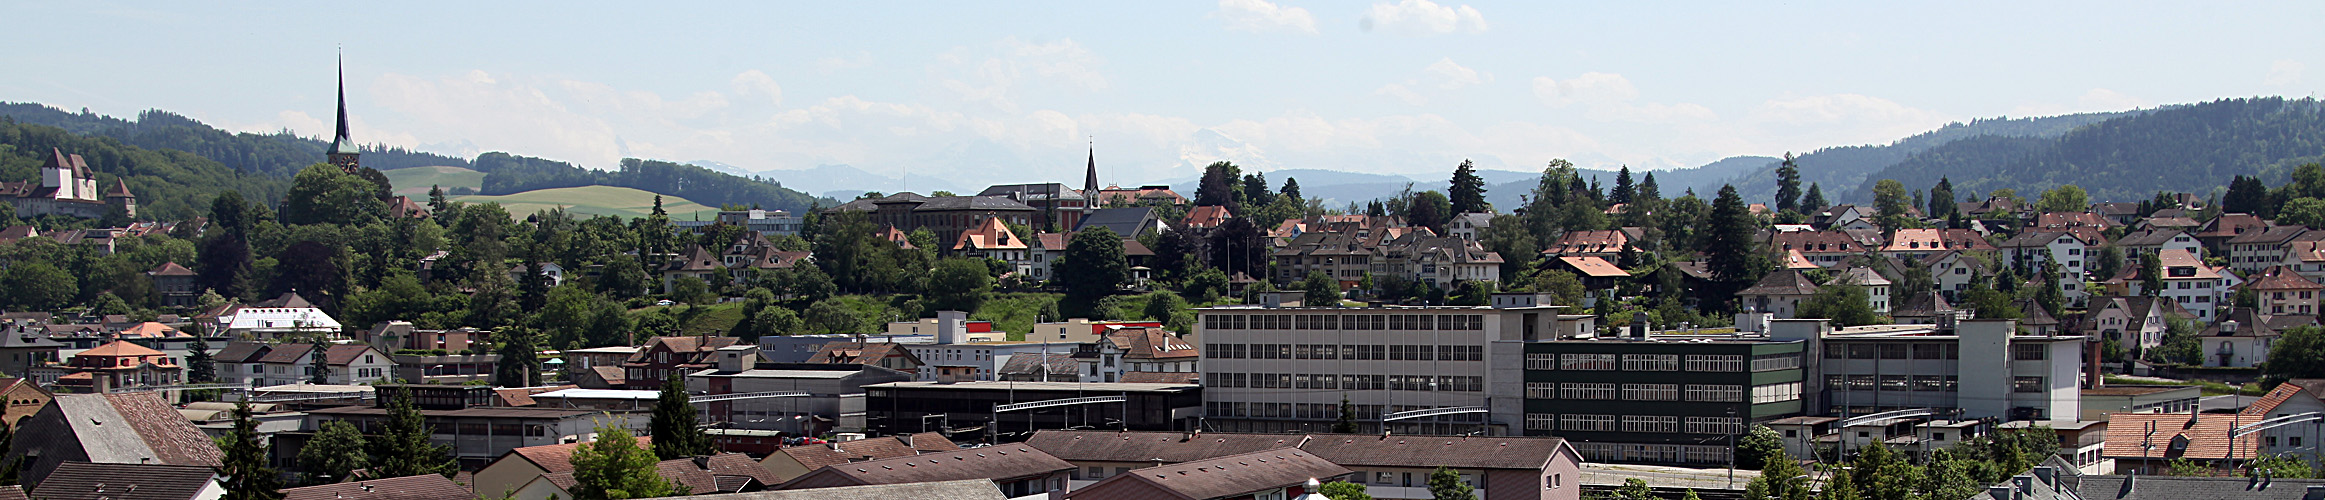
column 2281, row 278
column 555, row 458
column 171, row 269
column 1223, row 477
column 2178, row 435
column 1594, row 266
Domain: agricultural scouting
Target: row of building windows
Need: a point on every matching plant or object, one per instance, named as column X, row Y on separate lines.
column 1894, row 383
column 1891, row 350
column 1400, row 352
column 1666, row 424
column 1322, row 411
column 1390, row 322
column 1661, row 362
column 1707, row 393
column 1449, row 383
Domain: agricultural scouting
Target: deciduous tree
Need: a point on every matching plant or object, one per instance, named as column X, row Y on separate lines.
column 336, row 451
column 615, row 468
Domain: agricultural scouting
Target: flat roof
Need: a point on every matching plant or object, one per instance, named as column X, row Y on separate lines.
column 991, row 385
column 820, row 374
column 599, row 394
column 319, row 388
column 558, row 413
column 605, row 350
column 2134, row 390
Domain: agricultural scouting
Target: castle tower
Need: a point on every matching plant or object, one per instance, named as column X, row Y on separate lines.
column 120, row 198
column 343, row 151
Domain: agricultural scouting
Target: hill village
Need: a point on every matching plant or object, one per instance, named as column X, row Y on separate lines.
column 1236, row 344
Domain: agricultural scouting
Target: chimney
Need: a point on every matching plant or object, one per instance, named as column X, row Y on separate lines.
column 1639, row 326
column 952, row 327
column 1998, row 492
column 2025, row 484
column 2045, row 473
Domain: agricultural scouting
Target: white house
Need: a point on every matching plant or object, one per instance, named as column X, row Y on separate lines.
column 1467, row 226
column 284, row 317
column 2157, row 239
column 2196, row 286
column 2062, row 247
column 1952, row 271
column 1876, row 287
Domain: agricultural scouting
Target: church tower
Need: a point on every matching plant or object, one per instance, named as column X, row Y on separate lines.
column 343, row 151
column 1090, row 201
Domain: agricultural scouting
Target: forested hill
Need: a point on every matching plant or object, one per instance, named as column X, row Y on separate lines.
column 169, row 184
column 2192, row 148
column 278, row 154
column 506, row 174
column 1841, row 169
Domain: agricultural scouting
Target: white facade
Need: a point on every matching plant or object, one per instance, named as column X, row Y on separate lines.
column 1953, row 272
column 1981, row 367
column 2066, row 250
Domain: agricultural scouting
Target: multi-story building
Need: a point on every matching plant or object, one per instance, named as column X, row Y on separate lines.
column 2282, row 291
column 1953, row 270
column 2260, row 249
column 947, row 216
column 1923, row 243
column 662, row 357
column 1823, row 248
column 1981, row 367
column 173, row 285
column 2066, row 248
column 2157, row 239
column 463, row 418
column 1671, row 399
column 1050, row 201
column 2195, row 285
column 2136, row 321
column 113, row 366
column 765, row 222
column 1279, row 369
column 1343, row 256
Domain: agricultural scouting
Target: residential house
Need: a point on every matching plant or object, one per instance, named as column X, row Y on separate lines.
column 24, row 399
column 1206, row 216
column 1876, row 286
column 2117, row 212
column 2153, row 240
column 23, row 346
column 695, row 263
column 284, row 317
column 1044, row 250
column 1779, row 293
column 114, row 366
column 2066, row 248
column 2264, row 248
column 134, row 428
column 1343, row 256
column 793, row 461
column 1598, row 276
column 2293, row 397
column 966, row 489
column 1467, row 226
column 1156, row 195
column 2282, row 291
column 173, row 285
column 1606, row 244
column 420, row 487
column 1823, row 248
column 1277, row 473
column 130, row 481
column 1992, row 205
column 1019, row 471
column 2215, row 233
column 1923, row 243
column 2135, row 321
column 1436, row 261
column 666, row 356
column 892, row 356
column 519, row 466
column 1134, row 350
column 1838, row 216
column 2148, row 443
column 2243, row 337
column 345, row 364
column 991, row 239
column 2306, row 257
column 550, row 272
column 2187, row 280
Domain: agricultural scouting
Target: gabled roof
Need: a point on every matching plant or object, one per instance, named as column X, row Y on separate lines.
column 2178, row 435
column 1782, row 282
column 288, row 354
column 420, row 487
column 2281, row 278
column 1222, row 477
column 121, row 428
column 1147, row 446
column 966, row 489
column 816, row 456
column 852, row 352
column 695, row 259
column 118, row 481
column 1922, row 305
column 1124, row 221
column 998, row 463
column 287, row 300
column 1207, row 216
column 554, row 458
column 2172, row 258
column 1917, row 240
column 1471, row 452
column 120, row 348
column 242, row 352
column 1593, row 266
column 990, row 234
column 152, row 330
column 1607, row 241
column 1151, row 343
column 1040, row 363
column 2149, row 238
column 2229, row 225
column 28, row 340
column 170, row 269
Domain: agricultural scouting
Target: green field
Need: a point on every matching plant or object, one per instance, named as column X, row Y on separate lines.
column 415, row 181
column 586, row 201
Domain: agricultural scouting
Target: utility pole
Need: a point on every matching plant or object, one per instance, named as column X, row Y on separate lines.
column 1732, row 447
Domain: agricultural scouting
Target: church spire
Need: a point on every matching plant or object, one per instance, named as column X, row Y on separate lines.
column 1090, row 184
column 343, row 152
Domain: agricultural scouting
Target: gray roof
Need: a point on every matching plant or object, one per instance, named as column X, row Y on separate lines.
column 27, row 340
column 971, row 203
column 966, row 489
column 91, row 481
column 2192, row 488
column 1125, row 221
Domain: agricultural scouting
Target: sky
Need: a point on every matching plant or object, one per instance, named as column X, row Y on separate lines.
column 1025, row 91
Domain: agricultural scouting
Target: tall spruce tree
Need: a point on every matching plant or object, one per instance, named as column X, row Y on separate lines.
column 1624, row 189
column 1727, row 242
column 320, row 357
column 1788, row 185
column 1814, row 201
column 246, row 474
column 404, row 449
column 1647, row 190
column 520, row 353
column 1468, row 190
column 199, row 366
column 677, row 434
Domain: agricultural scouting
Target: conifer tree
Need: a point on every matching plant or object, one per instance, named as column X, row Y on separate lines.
column 199, row 366
column 246, row 474
column 1468, row 190
column 404, row 449
column 1788, row 185
column 676, row 433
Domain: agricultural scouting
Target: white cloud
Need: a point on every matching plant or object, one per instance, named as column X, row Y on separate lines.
column 1453, row 76
column 755, row 82
column 1422, row 18
column 2283, row 72
column 1010, row 63
column 1590, row 89
column 1261, row 16
column 1401, row 93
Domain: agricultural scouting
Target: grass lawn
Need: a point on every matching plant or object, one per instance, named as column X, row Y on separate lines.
column 415, row 181
column 587, row 201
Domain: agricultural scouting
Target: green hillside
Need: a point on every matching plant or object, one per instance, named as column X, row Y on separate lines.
column 594, row 200
column 415, row 181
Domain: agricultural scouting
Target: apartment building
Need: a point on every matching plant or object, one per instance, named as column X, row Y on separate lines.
column 1981, row 367
column 1286, row 369
column 1660, row 398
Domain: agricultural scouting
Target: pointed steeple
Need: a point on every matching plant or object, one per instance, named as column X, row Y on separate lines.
column 343, row 150
column 1090, row 184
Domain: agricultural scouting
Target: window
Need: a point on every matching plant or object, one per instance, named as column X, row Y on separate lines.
column 1650, row 423
column 1651, row 362
column 1651, row 392
column 1541, row 390
column 1579, row 422
column 1541, row 422
column 1773, row 362
column 1714, row 425
column 1893, row 351
column 1715, row 393
column 1715, row 362
column 2026, row 384
column 2029, row 352
column 1896, row 383
column 1541, row 361
column 1586, row 361
column 1586, row 391
column 1789, row 391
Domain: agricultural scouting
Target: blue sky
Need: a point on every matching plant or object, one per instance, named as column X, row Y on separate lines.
column 982, row 92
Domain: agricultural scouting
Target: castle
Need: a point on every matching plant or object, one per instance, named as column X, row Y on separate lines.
column 67, row 187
